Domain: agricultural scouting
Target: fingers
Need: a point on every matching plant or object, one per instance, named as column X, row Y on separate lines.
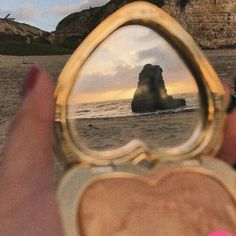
column 28, row 201
column 227, row 94
column 228, row 151
column 30, row 139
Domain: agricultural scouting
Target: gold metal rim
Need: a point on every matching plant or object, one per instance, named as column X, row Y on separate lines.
column 208, row 135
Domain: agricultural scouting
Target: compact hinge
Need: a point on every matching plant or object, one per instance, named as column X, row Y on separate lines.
column 102, row 169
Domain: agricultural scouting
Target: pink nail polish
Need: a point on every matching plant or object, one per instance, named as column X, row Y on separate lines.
column 220, row 233
column 30, row 80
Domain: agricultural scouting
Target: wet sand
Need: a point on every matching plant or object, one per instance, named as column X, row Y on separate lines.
column 156, row 130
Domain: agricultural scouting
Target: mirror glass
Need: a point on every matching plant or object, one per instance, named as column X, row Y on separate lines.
column 133, row 86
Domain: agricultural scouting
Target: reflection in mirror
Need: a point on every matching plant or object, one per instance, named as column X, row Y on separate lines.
column 133, row 86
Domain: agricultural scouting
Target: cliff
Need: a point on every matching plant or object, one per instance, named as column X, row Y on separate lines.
column 73, row 29
column 15, row 31
column 22, row 39
column 212, row 23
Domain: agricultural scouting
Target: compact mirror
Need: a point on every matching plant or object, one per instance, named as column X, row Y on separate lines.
column 140, row 111
column 137, row 88
column 134, row 86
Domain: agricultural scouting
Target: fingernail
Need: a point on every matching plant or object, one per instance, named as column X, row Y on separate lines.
column 30, row 80
column 232, row 104
column 220, row 233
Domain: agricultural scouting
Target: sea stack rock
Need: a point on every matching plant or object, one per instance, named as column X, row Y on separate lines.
column 151, row 93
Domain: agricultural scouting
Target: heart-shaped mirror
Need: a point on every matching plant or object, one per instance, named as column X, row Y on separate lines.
column 137, row 86
column 136, row 92
column 134, row 86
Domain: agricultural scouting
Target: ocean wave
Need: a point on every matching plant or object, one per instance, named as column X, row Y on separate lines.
column 122, row 108
column 158, row 112
column 84, row 111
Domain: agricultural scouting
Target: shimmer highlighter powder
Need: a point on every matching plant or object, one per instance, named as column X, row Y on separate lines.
column 179, row 204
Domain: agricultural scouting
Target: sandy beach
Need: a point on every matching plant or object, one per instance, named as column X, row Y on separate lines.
column 165, row 130
column 12, row 70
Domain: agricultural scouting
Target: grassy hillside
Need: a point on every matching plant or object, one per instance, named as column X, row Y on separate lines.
column 23, row 49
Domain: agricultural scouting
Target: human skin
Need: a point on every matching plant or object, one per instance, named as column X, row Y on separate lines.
column 28, row 203
column 228, row 148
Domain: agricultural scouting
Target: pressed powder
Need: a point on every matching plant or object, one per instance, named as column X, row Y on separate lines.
column 179, row 204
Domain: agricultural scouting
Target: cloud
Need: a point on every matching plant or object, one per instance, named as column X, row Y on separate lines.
column 125, row 77
column 26, row 12
column 63, row 10
column 71, row 8
column 165, row 57
column 85, row 4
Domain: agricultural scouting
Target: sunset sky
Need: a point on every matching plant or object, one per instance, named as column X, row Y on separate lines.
column 112, row 72
column 43, row 13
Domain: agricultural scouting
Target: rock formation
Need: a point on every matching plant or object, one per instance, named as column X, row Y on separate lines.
column 151, row 93
column 211, row 23
column 217, row 30
column 15, row 31
column 73, row 29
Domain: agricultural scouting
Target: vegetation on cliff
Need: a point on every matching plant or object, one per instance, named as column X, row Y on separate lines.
column 22, row 49
column 23, row 39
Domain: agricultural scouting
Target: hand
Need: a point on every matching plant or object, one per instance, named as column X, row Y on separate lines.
column 28, row 203
column 228, row 148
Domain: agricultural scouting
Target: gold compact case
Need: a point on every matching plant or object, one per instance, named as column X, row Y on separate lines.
column 140, row 117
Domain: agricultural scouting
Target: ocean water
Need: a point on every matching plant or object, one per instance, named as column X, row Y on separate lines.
column 112, row 124
column 122, row 108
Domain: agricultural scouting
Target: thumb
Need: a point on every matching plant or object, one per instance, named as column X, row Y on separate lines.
column 29, row 145
column 28, row 201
